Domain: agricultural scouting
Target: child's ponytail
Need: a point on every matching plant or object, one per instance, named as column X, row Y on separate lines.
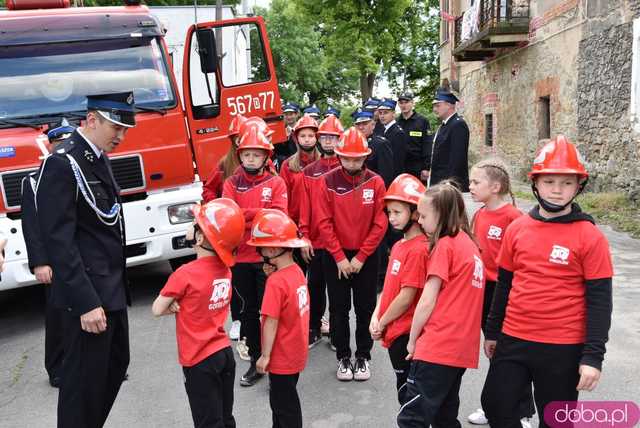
column 452, row 214
column 497, row 171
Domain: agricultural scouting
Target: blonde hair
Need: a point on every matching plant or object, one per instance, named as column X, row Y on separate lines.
column 448, row 202
column 497, row 172
column 229, row 162
column 295, row 163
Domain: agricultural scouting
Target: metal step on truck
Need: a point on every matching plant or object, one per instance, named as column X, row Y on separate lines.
column 52, row 56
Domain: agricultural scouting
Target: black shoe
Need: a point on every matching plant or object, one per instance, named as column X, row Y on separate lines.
column 54, row 381
column 314, row 338
column 251, row 377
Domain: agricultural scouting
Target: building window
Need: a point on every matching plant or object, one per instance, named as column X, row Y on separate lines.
column 444, row 21
column 544, row 118
column 488, row 130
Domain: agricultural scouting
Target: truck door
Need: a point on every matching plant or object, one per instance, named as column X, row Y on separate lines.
column 227, row 70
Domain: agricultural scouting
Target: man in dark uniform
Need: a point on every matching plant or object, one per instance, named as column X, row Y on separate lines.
column 395, row 134
column 81, row 221
column 380, row 160
column 372, row 105
column 312, row 111
column 291, row 112
column 40, row 265
column 332, row 110
column 416, row 127
column 450, row 151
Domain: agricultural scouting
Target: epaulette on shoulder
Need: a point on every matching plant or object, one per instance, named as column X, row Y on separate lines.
column 65, row 147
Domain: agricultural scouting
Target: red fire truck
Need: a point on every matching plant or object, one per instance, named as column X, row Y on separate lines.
column 53, row 55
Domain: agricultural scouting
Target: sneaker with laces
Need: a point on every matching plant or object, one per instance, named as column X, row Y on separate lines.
column 478, row 418
column 324, row 326
column 314, row 338
column 234, row 331
column 345, row 372
column 361, row 371
column 243, row 350
column 251, row 377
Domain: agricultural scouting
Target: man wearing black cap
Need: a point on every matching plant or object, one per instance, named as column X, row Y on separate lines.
column 81, row 221
column 291, row 112
column 449, row 158
column 416, row 127
column 394, row 133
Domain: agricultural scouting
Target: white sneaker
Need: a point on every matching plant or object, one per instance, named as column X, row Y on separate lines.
column 345, row 372
column 525, row 422
column 243, row 350
column 478, row 418
column 361, row 371
column 234, row 331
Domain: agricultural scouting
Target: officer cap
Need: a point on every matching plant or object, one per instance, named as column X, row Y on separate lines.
column 59, row 131
column 118, row 108
column 443, row 95
column 372, row 104
column 333, row 111
column 406, row 96
column 387, row 104
column 362, row 116
column 290, row 108
column 312, row 110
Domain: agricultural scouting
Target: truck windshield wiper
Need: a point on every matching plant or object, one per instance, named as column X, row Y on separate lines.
column 162, row 111
column 4, row 123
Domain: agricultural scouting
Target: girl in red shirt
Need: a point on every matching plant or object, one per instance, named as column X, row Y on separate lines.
column 406, row 275
column 198, row 293
column 551, row 311
column 445, row 331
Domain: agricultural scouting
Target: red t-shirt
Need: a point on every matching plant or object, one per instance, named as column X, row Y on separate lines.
column 203, row 290
column 488, row 228
column 407, row 268
column 451, row 335
column 286, row 299
column 550, row 264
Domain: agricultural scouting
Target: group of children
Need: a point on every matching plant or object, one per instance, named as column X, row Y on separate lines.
column 538, row 285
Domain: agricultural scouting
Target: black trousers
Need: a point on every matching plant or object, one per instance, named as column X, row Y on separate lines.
column 363, row 287
column 209, row 386
column 53, row 336
column 94, row 367
column 553, row 369
column 284, row 401
column 317, row 290
column 248, row 282
column 400, row 364
column 432, row 396
column 384, row 250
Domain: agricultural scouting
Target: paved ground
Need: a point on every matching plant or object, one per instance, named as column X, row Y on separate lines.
column 154, row 395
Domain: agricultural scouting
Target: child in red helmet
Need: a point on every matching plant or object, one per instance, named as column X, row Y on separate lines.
column 352, row 224
column 329, row 133
column 406, row 275
column 285, row 314
column 253, row 189
column 551, row 310
column 198, row 293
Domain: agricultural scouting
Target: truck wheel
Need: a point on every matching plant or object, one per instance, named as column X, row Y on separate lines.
column 179, row 261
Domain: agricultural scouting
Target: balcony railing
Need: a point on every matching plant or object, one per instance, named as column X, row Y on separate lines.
column 498, row 24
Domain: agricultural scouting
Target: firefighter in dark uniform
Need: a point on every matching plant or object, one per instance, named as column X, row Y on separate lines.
column 312, row 111
column 372, row 105
column 40, row 265
column 81, row 221
column 380, row 160
column 416, row 127
column 291, row 112
column 332, row 110
column 395, row 134
column 450, row 151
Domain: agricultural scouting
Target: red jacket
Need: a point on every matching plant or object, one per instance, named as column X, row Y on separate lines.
column 253, row 193
column 295, row 185
column 352, row 215
column 312, row 197
column 212, row 188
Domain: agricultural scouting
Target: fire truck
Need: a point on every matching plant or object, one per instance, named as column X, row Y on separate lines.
column 52, row 56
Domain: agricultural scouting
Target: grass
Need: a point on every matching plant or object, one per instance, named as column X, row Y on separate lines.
column 611, row 208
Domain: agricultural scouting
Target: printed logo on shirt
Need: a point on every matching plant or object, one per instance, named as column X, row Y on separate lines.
column 478, row 272
column 220, row 295
column 367, row 196
column 494, row 233
column 266, row 194
column 559, row 255
column 395, row 267
column 303, row 299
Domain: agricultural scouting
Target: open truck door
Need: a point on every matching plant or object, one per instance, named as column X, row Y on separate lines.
column 228, row 70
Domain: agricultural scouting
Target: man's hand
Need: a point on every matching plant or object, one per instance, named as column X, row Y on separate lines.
column 490, row 348
column 356, row 265
column 589, row 377
column 94, row 321
column 424, row 175
column 262, row 364
column 307, row 253
column 43, row 274
column 344, row 269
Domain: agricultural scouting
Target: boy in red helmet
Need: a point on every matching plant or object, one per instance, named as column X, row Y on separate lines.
column 198, row 293
column 285, row 314
column 352, row 224
column 551, row 310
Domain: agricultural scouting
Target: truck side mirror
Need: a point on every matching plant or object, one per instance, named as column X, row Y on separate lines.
column 207, row 50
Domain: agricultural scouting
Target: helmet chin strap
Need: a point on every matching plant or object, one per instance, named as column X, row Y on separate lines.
column 192, row 242
column 409, row 223
column 551, row 207
column 324, row 152
column 267, row 259
column 307, row 149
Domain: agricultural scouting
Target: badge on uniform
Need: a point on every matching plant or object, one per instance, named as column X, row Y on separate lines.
column 415, row 133
column 89, row 155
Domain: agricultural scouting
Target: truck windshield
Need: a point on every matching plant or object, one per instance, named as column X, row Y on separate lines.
column 56, row 78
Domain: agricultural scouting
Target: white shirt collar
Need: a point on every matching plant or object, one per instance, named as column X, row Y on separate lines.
column 444, row 122
column 388, row 125
column 95, row 149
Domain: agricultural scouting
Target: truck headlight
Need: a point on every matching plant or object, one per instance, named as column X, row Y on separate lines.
column 180, row 213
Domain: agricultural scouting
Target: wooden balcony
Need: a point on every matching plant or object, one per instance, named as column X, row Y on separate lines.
column 500, row 24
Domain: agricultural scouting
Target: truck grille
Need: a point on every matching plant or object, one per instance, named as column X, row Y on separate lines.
column 128, row 172
column 12, row 187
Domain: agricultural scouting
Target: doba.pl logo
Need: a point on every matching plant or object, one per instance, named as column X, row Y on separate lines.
column 591, row 414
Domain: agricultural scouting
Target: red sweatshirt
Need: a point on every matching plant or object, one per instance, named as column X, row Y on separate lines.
column 295, row 185
column 212, row 188
column 253, row 193
column 309, row 217
column 352, row 213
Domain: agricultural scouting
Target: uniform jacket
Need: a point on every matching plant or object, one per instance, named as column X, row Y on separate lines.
column 450, row 153
column 36, row 252
column 399, row 144
column 381, row 159
column 416, row 127
column 87, row 256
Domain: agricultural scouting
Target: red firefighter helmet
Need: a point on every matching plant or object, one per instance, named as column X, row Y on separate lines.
column 405, row 188
column 331, row 126
column 352, row 144
column 254, row 139
column 306, row 121
column 558, row 156
column 236, row 124
column 222, row 222
column 258, row 123
column 273, row 228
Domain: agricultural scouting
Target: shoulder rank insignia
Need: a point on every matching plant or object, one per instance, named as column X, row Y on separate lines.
column 60, row 151
column 89, row 155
